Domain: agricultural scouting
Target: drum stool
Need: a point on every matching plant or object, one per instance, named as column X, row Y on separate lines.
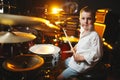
column 99, row 72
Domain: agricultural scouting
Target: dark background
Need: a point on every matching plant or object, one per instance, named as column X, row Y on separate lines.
column 23, row 5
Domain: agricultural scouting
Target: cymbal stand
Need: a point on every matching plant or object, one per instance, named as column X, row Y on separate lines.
column 8, row 6
column 10, row 46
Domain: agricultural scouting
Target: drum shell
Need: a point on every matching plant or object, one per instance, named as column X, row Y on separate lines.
column 51, row 60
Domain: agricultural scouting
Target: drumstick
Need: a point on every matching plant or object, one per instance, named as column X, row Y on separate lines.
column 68, row 40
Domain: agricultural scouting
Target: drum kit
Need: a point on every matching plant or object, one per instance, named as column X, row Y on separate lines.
column 25, row 62
column 46, row 55
column 43, row 53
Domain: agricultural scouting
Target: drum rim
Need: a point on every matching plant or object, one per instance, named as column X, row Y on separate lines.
column 57, row 49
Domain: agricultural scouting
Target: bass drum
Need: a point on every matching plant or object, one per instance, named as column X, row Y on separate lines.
column 49, row 52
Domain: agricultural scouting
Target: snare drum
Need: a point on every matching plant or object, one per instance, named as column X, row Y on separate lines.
column 49, row 52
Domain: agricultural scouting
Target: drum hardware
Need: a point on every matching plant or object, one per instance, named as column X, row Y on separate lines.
column 23, row 64
column 8, row 6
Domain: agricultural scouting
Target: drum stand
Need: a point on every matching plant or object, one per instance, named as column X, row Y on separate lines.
column 10, row 52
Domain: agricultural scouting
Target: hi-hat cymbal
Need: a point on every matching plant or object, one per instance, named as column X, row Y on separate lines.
column 15, row 37
column 10, row 19
column 23, row 62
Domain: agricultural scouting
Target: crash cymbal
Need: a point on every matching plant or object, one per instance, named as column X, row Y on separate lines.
column 23, row 62
column 15, row 37
column 42, row 24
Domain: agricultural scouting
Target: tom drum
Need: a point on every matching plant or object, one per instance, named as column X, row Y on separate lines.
column 49, row 52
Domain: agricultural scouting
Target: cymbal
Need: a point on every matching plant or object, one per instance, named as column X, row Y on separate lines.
column 45, row 28
column 15, row 37
column 23, row 62
column 10, row 19
column 70, row 38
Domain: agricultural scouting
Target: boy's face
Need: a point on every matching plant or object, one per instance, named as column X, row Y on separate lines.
column 86, row 20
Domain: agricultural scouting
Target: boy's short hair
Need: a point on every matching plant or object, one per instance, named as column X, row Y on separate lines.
column 89, row 9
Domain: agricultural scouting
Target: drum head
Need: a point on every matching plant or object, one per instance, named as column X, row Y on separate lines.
column 44, row 49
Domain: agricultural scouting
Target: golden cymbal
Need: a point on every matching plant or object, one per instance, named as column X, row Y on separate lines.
column 70, row 38
column 23, row 62
column 45, row 28
column 15, row 37
column 10, row 19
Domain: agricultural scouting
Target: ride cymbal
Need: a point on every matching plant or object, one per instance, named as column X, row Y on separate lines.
column 15, row 37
